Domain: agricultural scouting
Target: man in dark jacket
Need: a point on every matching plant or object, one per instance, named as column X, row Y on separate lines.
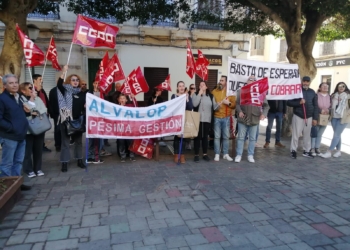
column 55, row 113
column 13, row 128
column 38, row 85
column 303, row 121
column 277, row 111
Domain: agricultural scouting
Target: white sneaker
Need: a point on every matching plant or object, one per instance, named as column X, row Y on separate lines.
column 328, row 154
column 337, row 154
column 227, row 157
column 238, row 158
column 40, row 173
column 251, row 158
column 313, row 152
column 217, row 157
column 31, row 175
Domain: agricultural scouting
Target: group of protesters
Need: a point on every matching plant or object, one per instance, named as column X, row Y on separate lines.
column 22, row 102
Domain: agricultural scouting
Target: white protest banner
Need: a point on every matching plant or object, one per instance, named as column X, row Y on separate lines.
column 108, row 120
column 284, row 79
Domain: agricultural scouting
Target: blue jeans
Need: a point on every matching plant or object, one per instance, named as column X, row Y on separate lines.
column 12, row 157
column 242, row 130
column 270, row 118
column 338, row 128
column 316, row 142
column 221, row 128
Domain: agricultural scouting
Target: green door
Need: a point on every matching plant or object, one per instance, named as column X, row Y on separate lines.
column 93, row 65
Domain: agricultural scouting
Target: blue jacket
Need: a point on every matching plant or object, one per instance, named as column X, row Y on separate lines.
column 13, row 121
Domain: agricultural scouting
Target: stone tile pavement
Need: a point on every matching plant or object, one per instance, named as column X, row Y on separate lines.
column 275, row 204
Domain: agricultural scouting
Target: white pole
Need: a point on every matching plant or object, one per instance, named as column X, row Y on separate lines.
column 46, row 59
column 70, row 51
column 30, row 73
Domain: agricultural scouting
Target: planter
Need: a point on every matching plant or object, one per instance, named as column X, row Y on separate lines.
column 11, row 195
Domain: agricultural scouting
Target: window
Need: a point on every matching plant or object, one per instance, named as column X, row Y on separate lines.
column 327, row 48
column 212, row 79
column 154, row 77
column 282, row 55
column 257, row 45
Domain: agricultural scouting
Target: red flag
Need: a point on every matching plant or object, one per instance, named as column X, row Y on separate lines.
column 254, row 93
column 113, row 72
column 190, row 66
column 202, row 66
column 33, row 55
column 91, row 33
column 51, row 55
column 165, row 85
column 102, row 67
column 135, row 83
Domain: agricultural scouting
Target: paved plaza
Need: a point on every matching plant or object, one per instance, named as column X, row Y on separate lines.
column 275, row 204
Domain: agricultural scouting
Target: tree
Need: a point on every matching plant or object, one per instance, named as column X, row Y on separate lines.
column 12, row 12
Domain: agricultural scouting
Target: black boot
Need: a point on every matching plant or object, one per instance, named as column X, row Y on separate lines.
column 64, row 167
column 81, row 164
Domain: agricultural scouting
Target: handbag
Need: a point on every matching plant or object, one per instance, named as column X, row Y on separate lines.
column 74, row 126
column 323, row 120
column 39, row 124
column 191, row 127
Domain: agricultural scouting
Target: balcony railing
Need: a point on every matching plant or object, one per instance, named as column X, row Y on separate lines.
column 51, row 16
column 162, row 23
column 257, row 52
column 207, row 26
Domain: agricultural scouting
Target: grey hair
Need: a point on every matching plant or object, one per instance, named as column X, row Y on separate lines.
column 5, row 77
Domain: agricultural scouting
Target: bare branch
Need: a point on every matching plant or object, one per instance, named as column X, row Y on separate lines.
column 268, row 11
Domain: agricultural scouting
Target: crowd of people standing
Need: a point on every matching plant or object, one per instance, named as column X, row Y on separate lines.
column 19, row 103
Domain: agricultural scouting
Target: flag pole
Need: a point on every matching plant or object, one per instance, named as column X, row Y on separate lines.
column 70, row 51
column 42, row 76
column 30, row 74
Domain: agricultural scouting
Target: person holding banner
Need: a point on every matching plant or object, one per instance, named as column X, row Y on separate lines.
column 189, row 106
column 124, row 144
column 71, row 102
column 204, row 103
column 305, row 115
column 324, row 107
column 249, row 113
column 222, row 118
column 340, row 119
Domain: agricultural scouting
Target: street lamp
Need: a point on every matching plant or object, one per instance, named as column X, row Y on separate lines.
column 33, row 33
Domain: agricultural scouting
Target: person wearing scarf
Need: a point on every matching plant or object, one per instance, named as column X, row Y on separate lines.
column 340, row 118
column 71, row 102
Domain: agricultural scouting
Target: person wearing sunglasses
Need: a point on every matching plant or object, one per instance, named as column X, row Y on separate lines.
column 34, row 151
column 71, row 102
column 340, row 118
column 38, row 85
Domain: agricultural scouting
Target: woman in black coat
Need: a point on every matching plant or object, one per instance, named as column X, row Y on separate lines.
column 71, row 102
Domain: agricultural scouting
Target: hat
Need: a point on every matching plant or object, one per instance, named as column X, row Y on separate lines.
column 306, row 78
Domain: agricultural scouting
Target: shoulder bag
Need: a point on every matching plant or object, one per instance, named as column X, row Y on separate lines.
column 39, row 124
column 74, row 126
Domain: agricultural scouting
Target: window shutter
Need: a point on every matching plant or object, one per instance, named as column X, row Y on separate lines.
column 49, row 80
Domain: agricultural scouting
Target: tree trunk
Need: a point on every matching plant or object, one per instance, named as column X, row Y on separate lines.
column 11, row 56
column 298, row 53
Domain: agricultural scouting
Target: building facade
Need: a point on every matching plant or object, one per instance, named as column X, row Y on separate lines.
column 158, row 49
